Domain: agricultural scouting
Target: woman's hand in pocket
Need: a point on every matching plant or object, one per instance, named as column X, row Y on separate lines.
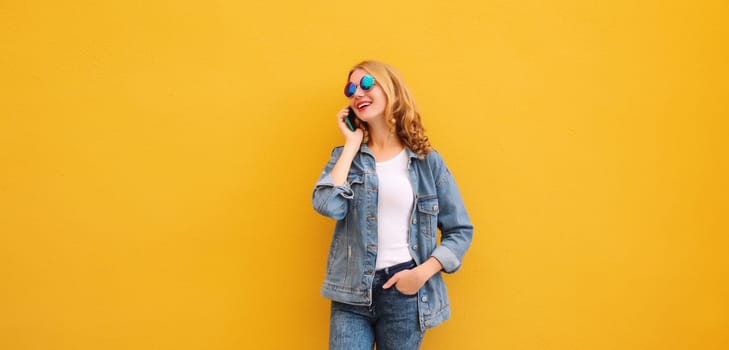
column 410, row 281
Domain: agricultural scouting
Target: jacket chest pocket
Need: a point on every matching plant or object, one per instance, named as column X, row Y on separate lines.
column 428, row 215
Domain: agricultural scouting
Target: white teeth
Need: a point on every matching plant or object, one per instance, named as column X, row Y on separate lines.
column 363, row 105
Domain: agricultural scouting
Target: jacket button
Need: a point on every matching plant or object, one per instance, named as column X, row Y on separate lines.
column 415, row 221
column 424, row 299
column 415, row 247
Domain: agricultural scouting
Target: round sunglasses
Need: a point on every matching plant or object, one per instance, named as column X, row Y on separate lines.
column 366, row 83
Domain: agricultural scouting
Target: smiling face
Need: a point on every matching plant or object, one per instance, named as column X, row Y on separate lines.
column 368, row 105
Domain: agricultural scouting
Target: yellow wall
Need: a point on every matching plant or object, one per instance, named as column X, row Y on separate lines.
column 157, row 160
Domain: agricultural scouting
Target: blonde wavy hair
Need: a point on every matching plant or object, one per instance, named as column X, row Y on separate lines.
column 401, row 113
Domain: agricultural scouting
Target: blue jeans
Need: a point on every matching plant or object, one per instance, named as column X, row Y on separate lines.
column 391, row 321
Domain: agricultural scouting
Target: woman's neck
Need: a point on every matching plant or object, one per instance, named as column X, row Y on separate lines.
column 383, row 144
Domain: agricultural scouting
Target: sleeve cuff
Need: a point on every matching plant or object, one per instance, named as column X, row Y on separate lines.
column 446, row 258
column 345, row 190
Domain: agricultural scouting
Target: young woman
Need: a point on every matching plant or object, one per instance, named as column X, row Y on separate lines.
column 389, row 192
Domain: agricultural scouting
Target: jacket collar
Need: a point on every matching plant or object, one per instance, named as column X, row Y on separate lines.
column 408, row 151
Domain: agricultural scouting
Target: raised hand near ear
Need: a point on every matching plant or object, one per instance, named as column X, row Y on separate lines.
column 350, row 137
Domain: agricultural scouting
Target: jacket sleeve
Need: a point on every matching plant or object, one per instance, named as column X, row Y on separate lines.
column 453, row 221
column 329, row 200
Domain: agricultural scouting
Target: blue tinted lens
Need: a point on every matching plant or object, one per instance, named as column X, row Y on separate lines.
column 367, row 82
column 350, row 89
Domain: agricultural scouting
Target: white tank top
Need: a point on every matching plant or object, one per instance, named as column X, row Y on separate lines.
column 394, row 207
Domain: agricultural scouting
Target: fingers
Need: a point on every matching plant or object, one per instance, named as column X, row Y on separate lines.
column 353, row 137
column 406, row 282
column 343, row 113
column 340, row 119
column 392, row 281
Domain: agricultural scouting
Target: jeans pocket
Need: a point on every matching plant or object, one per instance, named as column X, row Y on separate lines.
column 401, row 293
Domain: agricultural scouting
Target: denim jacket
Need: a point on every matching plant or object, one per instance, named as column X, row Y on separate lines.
column 353, row 252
